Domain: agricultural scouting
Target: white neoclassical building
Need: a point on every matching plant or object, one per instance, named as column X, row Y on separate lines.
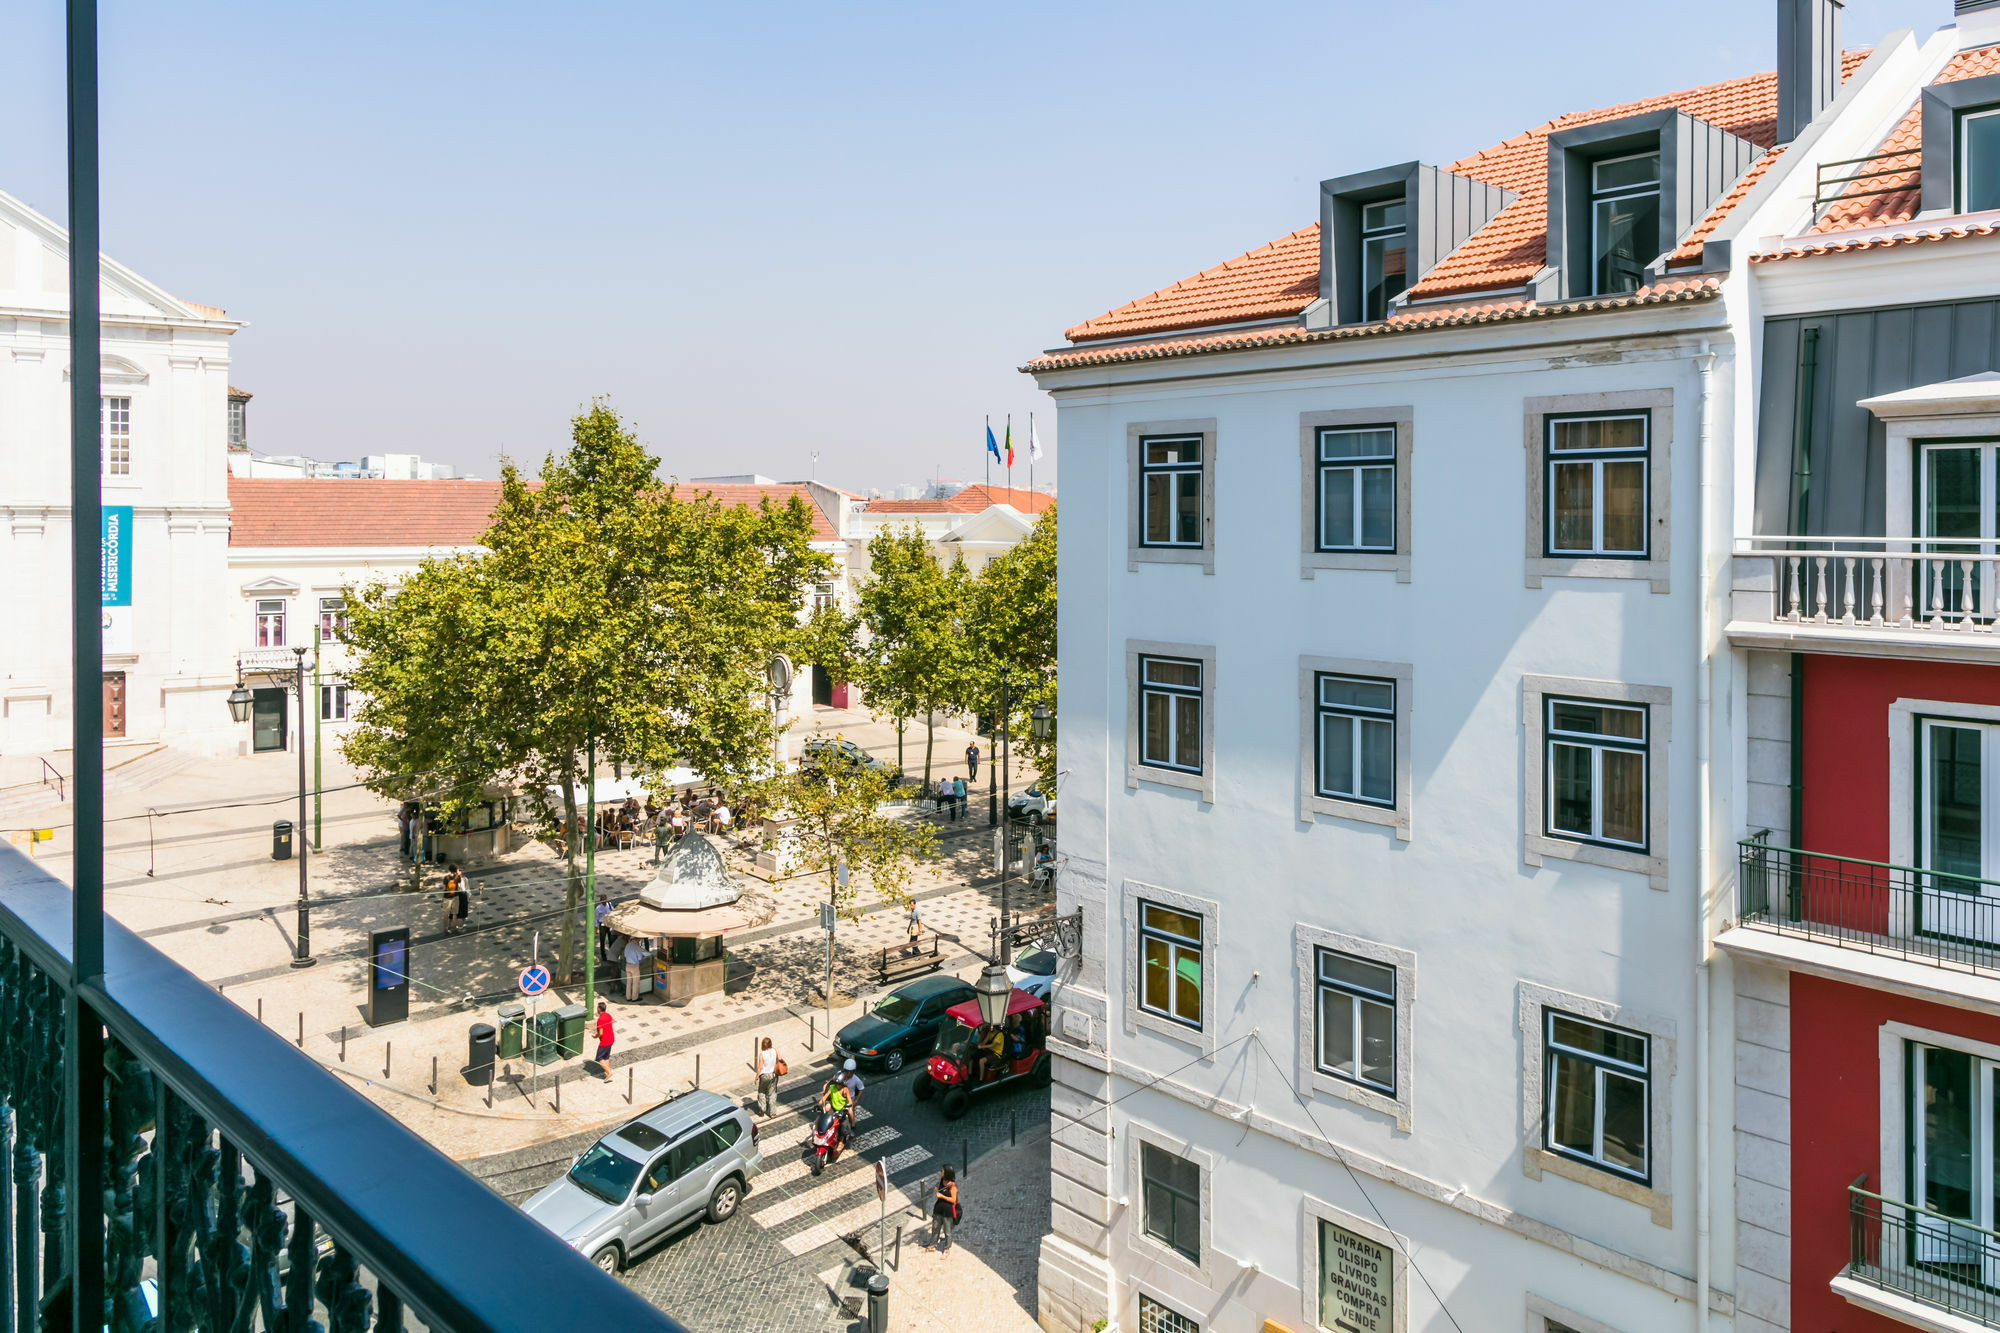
column 168, row 661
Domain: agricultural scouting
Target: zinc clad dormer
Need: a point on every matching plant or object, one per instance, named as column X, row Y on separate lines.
column 1381, row 231
column 1624, row 192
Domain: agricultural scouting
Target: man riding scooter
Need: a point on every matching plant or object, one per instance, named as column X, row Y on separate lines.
column 834, row 1129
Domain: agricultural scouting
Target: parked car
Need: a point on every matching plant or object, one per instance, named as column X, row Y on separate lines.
column 688, row 1158
column 824, row 751
column 1034, row 971
column 1035, row 804
column 903, row 1025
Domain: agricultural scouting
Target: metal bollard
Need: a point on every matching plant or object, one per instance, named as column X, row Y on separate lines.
column 388, row 1049
column 628, row 1085
column 697, row 1069
column 260, row 1010
column 434, row 1076
column 878, row 1303
column 343, row 1043
column 489, row 1091
column 302, row 1029
column 897, row 1262
column 559, row 1092
column 812, row 1025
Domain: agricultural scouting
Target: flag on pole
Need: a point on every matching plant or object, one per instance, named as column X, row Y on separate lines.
column 1010, row 441
column 1034, row 441
column 992, row 447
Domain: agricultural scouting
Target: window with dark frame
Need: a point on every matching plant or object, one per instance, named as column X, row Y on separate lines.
column 1357, row 488
column 1979, row 159
column 1170, row 713
column 1595, row 756
column 1355, row 1020
column 1598, row 488
column 1384, row 256
column 1624, row 221
column 238, row 432
column 1157, row 1318
column 1170, row 470
column 1599, row 1086
column 1170, row 964
column 1356, row 738
column 332, row 619
column 1171, row 1200
column 271, row 622
column 333, row 703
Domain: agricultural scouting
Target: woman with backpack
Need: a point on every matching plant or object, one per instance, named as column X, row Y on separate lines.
column 945, row 1211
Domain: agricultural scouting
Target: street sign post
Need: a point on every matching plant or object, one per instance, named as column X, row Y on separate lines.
column 882, row 1226
column 534, row 980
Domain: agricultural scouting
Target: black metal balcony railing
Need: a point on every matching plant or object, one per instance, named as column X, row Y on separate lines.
column 1940, row 1261
column 1892, row 172
column 1899, row 911
column 244, row 1187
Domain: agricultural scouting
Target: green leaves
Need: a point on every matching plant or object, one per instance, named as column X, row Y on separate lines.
column 1013, row 623
column 917, row 657
column 839, row 821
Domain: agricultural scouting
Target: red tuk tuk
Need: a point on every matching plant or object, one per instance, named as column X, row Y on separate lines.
column 965, row 1065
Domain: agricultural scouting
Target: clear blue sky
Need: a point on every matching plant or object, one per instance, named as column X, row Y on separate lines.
column 764, row 229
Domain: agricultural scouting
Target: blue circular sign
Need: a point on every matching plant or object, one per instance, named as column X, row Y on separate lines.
column 534, row 981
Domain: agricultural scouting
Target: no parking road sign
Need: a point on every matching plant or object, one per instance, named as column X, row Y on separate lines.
column 534, row 980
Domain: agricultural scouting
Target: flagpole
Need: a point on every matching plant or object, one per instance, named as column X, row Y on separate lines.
column 1031, row 464
column 1010, row 458
column 987, row 452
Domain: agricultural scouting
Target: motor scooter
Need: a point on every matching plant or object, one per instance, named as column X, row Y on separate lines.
column 829, row 1139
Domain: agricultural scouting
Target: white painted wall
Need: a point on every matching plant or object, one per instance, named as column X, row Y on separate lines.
column 1458, row 894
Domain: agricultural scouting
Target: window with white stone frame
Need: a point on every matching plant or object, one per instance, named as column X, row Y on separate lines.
column 1356, row 1000
column 1354, row 723
column 1170, row 715
column 270, row 622
column 1599, row 485
column 116, row 448
column 1170, row 471
column 1597, row 1096
column 1171, row 1184
column 1354, row 490
column 1171, row 948
column 1595, row 774
column 1547, row 1316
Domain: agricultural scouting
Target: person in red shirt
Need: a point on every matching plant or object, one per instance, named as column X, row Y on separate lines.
column 604, row 1039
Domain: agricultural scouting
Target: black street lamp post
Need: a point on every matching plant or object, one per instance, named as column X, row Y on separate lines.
column 240, row 704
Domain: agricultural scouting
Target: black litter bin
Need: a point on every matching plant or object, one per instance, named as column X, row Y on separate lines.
column 479, row 1055
column 544, row 1048
column 569, row 1030
column 513, row 1023
column 281, row 840
column 878, row 1303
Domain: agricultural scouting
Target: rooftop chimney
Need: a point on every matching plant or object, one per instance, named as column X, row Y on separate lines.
column 1808, row 62
column 1978, row 23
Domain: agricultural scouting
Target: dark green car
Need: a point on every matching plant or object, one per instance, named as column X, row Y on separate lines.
column 903, row 1026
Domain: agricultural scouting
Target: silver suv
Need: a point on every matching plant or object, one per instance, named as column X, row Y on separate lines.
column 686, row 1158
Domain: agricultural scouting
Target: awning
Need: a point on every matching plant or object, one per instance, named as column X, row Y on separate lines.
column 649, row 922
column 1020, row 1002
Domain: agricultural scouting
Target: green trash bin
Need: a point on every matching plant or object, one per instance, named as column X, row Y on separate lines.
column 544, row 1046
column 569, row 1022
column 513, row 1020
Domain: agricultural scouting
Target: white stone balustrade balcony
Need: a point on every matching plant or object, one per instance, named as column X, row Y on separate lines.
column 1878, row 596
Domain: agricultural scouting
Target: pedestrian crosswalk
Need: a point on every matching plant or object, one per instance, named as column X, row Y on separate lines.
column 804, row 1213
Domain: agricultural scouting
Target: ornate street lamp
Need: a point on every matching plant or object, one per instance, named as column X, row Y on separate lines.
column 239, row 701
column 994, row 990
column 1040, row 720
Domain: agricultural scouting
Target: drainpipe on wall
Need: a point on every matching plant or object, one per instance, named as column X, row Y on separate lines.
column 1704, row 715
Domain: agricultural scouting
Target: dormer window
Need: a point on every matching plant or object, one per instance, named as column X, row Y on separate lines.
column 1624, row 220
column 1979, row 160
column 1384, row 263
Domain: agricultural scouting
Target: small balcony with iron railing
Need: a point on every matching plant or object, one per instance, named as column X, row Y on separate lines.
column 1912, row 929
column 1895, row 171
column 1888, row 596
column 1919, row 1267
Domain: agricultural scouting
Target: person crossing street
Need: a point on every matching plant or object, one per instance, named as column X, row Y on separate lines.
column 972, row 762
column 605, row 1037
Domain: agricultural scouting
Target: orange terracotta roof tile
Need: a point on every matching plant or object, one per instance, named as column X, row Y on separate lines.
column 368, row 512
column 1944, row 229
column 1899, row 153
column 1279, row 280
column 1673, row 291
column 910, row 507
column 976, row 499
column 235, row 392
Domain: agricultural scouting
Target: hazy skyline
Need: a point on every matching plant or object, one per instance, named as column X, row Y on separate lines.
column 763, row 232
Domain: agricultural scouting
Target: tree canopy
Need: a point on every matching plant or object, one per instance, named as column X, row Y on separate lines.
column 916, row 656
column 1013, row 626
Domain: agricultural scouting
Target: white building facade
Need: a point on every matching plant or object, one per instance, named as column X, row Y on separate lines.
column 1391, row 660
column 165, row 368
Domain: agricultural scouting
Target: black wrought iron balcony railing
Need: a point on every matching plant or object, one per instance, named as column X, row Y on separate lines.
column 1898, row 911
column 244, row 1187
column 1943, row 1262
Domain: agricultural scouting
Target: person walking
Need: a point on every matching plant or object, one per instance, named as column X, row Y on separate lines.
column 915, row 925
column 605, row 1037
column 635, row 954
column 767, row 1078
column 450, row 903
column 403, row 819
column 972, row 762
column 944, row 1211
column 465, row 901
column 662, row 832
column 958, row 798
column 603, row 930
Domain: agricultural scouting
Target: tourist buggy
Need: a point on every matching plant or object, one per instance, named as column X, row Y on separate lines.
column 965, row 1065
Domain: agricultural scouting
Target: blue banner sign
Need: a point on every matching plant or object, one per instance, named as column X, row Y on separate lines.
column 116, row 561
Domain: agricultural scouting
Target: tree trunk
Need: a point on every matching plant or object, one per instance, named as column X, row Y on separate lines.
column 930, row 741
column 572, row 885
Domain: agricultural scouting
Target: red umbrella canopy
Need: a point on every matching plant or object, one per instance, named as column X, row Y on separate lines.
column 1020, row 1002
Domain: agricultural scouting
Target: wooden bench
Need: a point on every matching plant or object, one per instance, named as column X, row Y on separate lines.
column 897, row 963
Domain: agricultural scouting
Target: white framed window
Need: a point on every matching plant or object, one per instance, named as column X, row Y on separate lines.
column 1170, row 490
column 1356, row 738
column 1385, row 269
column 1157, row 1318
column 333, row 703
column 1624, row 220
column 1600, row 1082
column 1956, row 514
column 1170, row 713
column 1357, row 489
column 1599, row 486
column 270, row 622
column 1597, row 1096
column 1595, row 766
column 239, row 434
column 1598, row 506
column 1356, row 1005
column 1979, row 160
column 1170, row 963
column 1939, row 1152
column 115, row 449
column 1170, row 1200
column 1170, row 518
column 332, row 619
column 1546, row 1316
